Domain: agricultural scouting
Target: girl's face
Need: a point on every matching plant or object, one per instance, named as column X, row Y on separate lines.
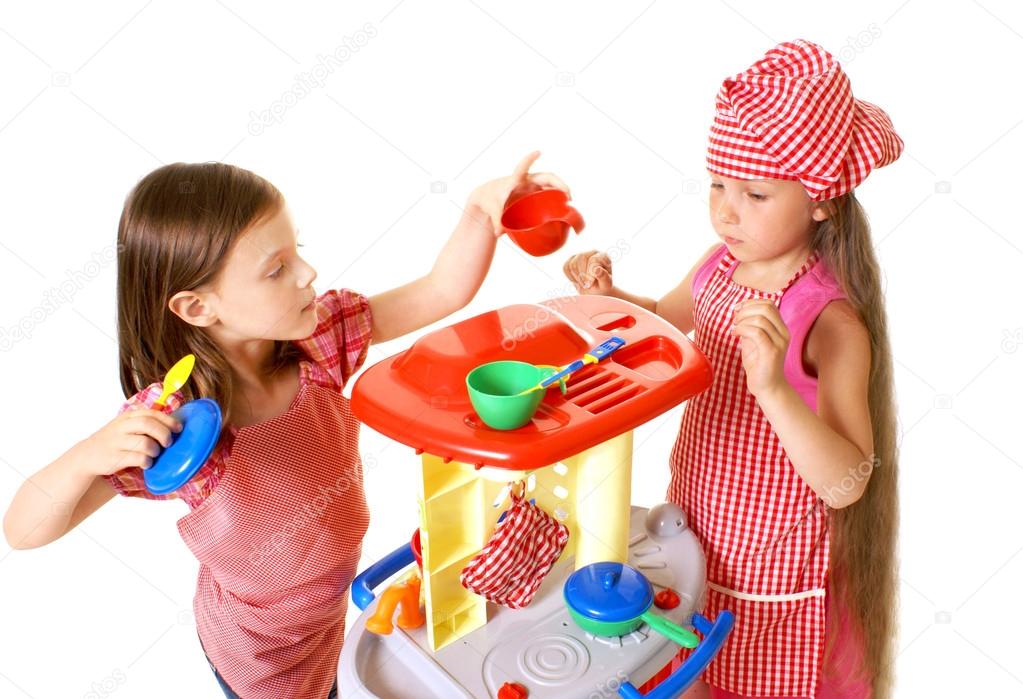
column 762, row 219
column 264, row 290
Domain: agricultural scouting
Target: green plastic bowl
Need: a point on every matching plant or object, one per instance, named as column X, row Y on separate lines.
column 493, row 388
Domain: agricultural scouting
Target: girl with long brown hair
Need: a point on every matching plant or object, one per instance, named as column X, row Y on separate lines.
column 786, row 465
column 208, row 264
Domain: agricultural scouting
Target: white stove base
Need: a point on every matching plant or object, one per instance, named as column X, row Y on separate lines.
column 539, row 647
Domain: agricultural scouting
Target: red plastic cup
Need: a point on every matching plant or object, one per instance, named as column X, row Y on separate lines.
column 539, row 222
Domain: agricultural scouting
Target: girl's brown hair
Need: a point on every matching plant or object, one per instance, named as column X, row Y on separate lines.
column 863, row 551
column 178, row 224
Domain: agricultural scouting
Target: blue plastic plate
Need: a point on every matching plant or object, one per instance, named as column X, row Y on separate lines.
column 191, row 447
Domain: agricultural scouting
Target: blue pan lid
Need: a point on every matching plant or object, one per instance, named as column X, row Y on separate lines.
column 191, row 447
column 608, row 592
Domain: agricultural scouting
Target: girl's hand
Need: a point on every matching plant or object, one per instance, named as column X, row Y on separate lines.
column 133, row 438
column 490, row 198
column 763, row 342
column 590, row 272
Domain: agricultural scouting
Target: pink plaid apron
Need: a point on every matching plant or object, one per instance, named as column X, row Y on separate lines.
column 279, row 541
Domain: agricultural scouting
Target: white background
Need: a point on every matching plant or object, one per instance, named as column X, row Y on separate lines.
column 618, row 96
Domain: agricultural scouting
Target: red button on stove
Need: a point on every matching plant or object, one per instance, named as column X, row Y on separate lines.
column 512, row 690
column 666, row 599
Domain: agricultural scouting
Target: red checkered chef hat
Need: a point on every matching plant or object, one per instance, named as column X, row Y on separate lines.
column 792, row 115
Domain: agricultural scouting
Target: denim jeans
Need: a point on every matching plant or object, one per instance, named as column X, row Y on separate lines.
column 229, row 693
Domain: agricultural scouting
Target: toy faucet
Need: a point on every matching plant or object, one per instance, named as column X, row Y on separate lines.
column 404, row 595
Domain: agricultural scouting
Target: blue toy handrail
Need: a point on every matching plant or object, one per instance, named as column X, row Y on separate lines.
column 392, row 563
column 714, row 636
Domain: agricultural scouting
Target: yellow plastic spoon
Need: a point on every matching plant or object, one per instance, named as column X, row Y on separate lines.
column 175, row 378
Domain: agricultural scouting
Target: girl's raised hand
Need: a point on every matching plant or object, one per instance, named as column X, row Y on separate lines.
column 133, row 438
column 491, row 197
column 763, row 342
column 590, row 272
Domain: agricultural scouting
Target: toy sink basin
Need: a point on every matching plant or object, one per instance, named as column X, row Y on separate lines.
column 418, row 397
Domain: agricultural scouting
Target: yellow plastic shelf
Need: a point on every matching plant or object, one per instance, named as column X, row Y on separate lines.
column 449, row 626
column 586, row 492
column 457, row 556
column 445, row 477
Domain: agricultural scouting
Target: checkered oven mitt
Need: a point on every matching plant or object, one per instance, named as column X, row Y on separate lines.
column 520, row 553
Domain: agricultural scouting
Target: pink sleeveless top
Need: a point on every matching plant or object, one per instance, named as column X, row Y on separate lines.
column 799, row 308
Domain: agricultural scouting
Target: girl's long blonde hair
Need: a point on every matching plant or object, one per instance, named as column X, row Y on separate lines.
column 176, row 229
column 864, row 572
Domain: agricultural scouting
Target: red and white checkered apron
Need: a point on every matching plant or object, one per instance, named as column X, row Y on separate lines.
column 520, row 553
column 764, row 530
column 279, row 542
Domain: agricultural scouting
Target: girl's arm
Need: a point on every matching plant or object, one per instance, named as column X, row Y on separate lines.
column 650, row 304
column 590, row 272
column 831, row 450
column 676, row 306
column 463, row 263
column 60, row 496
column 453, row 281
column 46, row 503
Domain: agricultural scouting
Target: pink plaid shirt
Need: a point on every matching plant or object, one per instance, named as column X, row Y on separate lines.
column 333, row 353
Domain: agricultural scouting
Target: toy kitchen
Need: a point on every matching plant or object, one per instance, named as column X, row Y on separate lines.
column 532, row 574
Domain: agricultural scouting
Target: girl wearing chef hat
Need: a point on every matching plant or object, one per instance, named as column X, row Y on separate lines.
column 786, row 465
